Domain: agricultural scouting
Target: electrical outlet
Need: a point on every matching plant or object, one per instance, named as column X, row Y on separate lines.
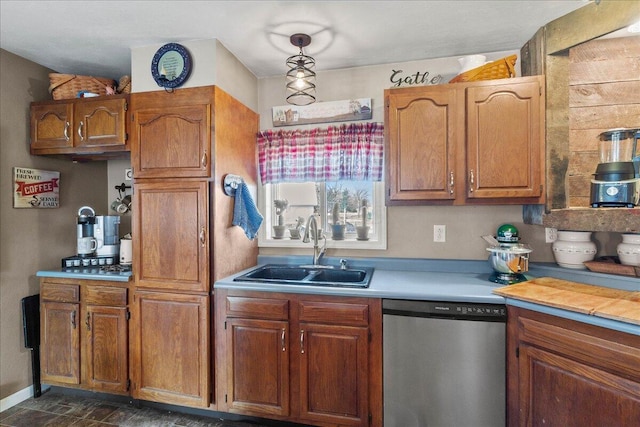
column 439, row 233
column 128, row 174
column 550, row 235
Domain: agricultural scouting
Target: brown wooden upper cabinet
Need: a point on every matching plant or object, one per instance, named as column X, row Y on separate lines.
column 466, row 143
column 172, row 134
column 79, row 126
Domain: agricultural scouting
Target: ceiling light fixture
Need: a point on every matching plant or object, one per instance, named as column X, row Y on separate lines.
column 301, row 79
column 634, row 28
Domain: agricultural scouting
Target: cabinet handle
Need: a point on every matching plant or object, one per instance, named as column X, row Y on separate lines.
column 87, row 321
column 203, row 239
column 80, row 126
column 302, row 341
column 204, row 160
column 284, row 347
column 451, row 182
column 73, row 319
column 66, row 131
column 471, row 183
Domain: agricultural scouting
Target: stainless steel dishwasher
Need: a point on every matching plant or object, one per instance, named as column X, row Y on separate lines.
column 444, row 364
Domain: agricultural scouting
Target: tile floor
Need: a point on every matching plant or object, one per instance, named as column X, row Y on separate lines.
column 58, row 409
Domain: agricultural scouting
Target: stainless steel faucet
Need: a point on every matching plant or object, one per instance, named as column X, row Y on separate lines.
column 312, row 227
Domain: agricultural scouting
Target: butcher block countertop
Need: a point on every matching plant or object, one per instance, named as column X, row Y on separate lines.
column 615, row 304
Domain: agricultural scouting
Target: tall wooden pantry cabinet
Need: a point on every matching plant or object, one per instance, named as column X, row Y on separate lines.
column 183, row 144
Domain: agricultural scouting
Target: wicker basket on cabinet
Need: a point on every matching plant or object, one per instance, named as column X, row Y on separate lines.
column 501, row 69
column 67, row 86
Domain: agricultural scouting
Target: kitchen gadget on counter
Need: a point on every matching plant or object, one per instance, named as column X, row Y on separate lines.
column 98, row 241
column 106, row 231
column 508, row 258
column 616, row 182
column 87, row 243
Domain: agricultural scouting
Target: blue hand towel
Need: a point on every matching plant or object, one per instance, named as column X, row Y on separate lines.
column 245, row 213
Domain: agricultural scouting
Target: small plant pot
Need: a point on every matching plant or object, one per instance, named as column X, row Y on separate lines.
column 363, row 232
column 278, row 231
column 294, row 233
column 337, row 231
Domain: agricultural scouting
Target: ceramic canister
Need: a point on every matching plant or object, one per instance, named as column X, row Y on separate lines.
column 573, row 248
column 629, row 249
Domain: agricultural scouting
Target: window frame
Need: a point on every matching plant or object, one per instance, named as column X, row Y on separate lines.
column 265, row 203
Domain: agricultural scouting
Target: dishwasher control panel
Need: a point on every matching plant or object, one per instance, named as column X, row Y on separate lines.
column 446, row 309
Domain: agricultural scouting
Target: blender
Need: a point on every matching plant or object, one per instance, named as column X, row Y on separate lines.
column 616, row 182
column 509, row 259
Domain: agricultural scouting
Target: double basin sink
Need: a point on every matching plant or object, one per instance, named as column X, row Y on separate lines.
column 309, row 275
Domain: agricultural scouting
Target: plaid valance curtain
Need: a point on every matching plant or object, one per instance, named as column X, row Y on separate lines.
column 351, row 152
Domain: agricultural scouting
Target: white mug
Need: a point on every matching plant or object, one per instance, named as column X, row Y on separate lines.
column 87, row 245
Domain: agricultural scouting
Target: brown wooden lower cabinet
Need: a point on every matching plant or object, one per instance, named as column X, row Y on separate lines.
column 303, row 358
column 170, row 348
column 84, row 338
column 567, row 373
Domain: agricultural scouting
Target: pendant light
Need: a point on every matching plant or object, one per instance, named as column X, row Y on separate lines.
column 301, row 79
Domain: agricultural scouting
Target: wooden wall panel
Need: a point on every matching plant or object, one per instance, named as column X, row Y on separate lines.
column 604, row 93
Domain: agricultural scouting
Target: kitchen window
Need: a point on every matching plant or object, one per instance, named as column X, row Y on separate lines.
column 334, row 173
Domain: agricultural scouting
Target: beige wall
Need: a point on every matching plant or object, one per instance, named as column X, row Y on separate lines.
column 31, row 239
column 410, row 229
column 213, row 64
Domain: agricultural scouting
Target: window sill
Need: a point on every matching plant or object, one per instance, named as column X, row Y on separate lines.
column 331, row 244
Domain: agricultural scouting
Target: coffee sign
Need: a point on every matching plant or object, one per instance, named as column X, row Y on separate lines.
column 399, row 78
column 35, row 188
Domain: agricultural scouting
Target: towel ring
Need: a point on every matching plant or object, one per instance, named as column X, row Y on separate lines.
column 231, row 183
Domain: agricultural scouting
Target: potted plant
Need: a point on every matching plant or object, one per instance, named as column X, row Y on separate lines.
column 363, row 230
column 281, row 207
column 337, row 228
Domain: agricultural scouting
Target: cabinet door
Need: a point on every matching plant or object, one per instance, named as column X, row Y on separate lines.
column 421, row 132
column 505, row 139
column 569, row 393
column 171, row 141
column 257, row 366
column 170, row 348
column 171, row 248
column 334, row 373
column 51, row 126
column 100, row 122
column 60, row 342
column 105, row 348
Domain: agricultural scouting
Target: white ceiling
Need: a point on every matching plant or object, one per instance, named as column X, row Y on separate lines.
column 95, row 37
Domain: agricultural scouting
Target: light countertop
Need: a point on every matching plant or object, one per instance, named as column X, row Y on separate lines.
column 445, row 280
column 87, row 273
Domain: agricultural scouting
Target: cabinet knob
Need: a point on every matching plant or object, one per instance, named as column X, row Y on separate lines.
column 66, row 131
column 302, row 341
column 284, row 347
column 471, row 181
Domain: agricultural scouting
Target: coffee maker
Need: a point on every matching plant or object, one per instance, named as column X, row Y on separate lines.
column 98, row 240
column 616, row 182
column 86, row 243
column 106, row 231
